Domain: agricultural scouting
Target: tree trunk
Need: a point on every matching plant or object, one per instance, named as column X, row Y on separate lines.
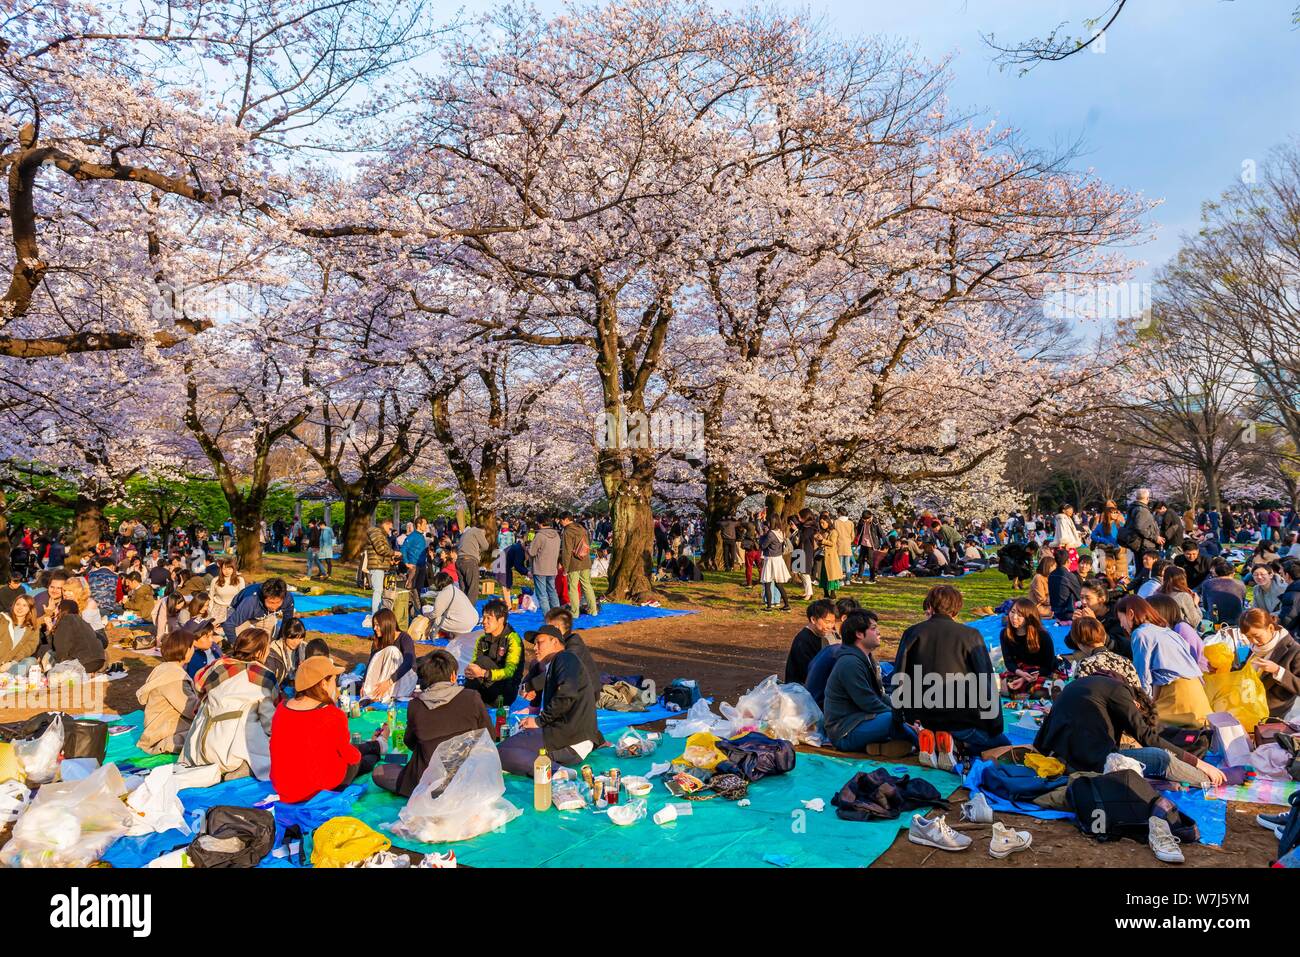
column 480, row 500
column 786, row 502
column 356, row 525
column 720, row 502
column 248, row 537
column 87, row 525
column 5, row 544
column 632, row 542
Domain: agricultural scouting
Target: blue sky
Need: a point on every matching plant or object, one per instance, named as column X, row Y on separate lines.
column 1185, row 92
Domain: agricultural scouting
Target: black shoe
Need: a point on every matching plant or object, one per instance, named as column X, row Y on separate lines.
column 1274, row 822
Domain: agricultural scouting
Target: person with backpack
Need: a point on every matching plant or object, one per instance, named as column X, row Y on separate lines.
column 575, row 557
column 1140, row 531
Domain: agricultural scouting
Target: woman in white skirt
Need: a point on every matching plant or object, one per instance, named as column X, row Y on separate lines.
column 775, row 571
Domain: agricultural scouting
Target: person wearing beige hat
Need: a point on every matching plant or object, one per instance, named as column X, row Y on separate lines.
column 311, row 750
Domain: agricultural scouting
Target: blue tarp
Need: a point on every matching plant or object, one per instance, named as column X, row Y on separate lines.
column 310, row 603
column 522, row 621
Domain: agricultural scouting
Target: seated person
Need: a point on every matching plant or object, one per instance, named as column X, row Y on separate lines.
column 237, row 698
column 317, row 647
column 20, row 636
column 453, row 613
column 822, row 621
column 1089, row 636
column 1092, row 715
column 169, row 613
column 1096, row 604
column 1028, row 655
column 496, row 664
column 311, row 749
column 535, row 678
column 1172, row 612
column 819, row 671
column 566, row 725
column 932, row 563
column 1144, row 571
column 139, row 598
column 1223, row 595
column 1156, row 582
column 287, row 651
column 1086, row 571
column 390, row 670
column 940, row 646
column 1194, row 564
column 72, row 639
column 1267, row 585
column 1063, row 587
column 1164, row 664
column 261, row 605
column 1276, row 656
column 203, row 632
column 1039, row 593
column 857, row 711
column 441, row 710
column 168, row 697
column 1175, row 586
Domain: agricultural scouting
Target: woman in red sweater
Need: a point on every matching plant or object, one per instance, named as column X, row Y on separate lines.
column 310, row 746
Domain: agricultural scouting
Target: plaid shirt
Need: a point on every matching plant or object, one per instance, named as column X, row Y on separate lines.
column 223, row 669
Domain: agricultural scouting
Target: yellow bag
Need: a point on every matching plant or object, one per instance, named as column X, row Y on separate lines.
column 1241, row 694
column 701, row 752
column 9, row 770
column 1219, row 656
column 342, row 841
column 1044, row 766
column 1183, row 702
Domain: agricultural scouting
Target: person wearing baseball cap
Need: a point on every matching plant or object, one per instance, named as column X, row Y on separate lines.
column 311, row 749
column 565, row 724
column 203, row 636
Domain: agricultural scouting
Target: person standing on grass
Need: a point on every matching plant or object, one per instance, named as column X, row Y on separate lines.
column 471, row 548
column 415, row 555
column 844, row 538
column 379, row 558
column 325, row 551
column 775, row 573
column 575, row 556
column 312, row 544
column 544, row 558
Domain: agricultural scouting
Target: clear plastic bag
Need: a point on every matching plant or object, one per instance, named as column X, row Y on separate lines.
column 785, row 711
column 70, row 825
column 636, row 744
column 39, row 757
column 698, row 719
column 462, row 649
column 460, row 795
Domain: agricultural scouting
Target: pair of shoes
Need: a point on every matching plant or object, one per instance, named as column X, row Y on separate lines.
column 1274, row 822
column 1163, row 843
column 977, row 810
column 937, row 750
column 936, row 833
column 785, row 607
column 1007, row 841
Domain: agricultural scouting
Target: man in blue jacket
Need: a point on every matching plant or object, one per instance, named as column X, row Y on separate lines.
column 260, row 605
column 415, row 555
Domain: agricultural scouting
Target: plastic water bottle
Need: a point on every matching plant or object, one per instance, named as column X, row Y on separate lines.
column 542, row 782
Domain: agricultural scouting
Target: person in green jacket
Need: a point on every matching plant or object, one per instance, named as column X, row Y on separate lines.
column 496, row 665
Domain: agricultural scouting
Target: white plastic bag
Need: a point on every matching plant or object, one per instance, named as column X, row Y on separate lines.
column 14, row 796
column 39, row 757
column 67, row 672
column 785, row 711
column 462, row 649
column 700, row 718
column 155, row 804
column 460, row 795
column 70, row 825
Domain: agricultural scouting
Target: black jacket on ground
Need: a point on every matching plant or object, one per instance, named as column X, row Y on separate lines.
column 803, row 650
column 568, row 715
column 941, row 646
column 1085, row 724
column 427, row 727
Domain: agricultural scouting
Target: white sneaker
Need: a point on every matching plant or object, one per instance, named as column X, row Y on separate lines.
column 1006, row 841
column 977, row 810
column 1122, row 762
column 936, row 833
column 1163, row 843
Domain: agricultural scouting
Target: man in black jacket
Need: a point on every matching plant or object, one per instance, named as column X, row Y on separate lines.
column 1171, row 527
column 1141, row 532
column 566, row 723
column 1063, row 587
column 535, row 678
column 822, row 622
column 944, row 679
column 1195, row 564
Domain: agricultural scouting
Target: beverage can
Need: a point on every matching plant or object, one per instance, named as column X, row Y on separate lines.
column 587, row 777
column 598, row 790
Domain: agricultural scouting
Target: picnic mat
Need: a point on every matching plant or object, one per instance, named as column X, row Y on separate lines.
column 776, row 828
column 326, row 602
column 611, row 613
column 1259, row 791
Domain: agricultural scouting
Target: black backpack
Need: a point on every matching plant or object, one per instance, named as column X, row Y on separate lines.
column 1110, row 807
column 253, row 827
